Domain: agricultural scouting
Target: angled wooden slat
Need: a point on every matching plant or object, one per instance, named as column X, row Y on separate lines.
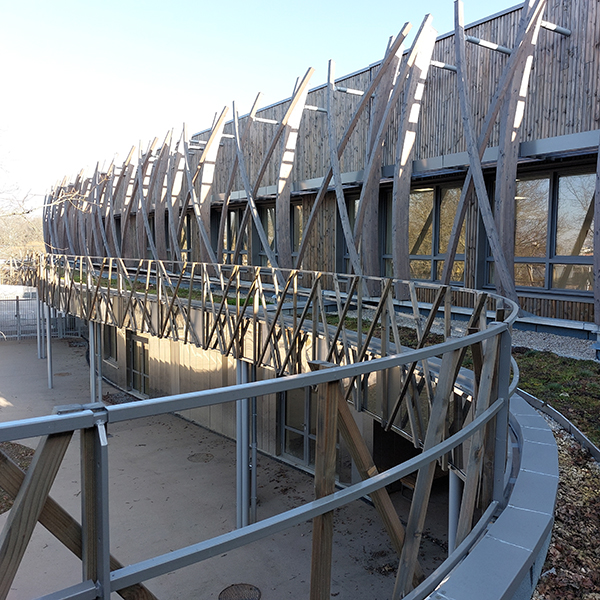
column 337, row 175
column 504, row 278
column 473, row 470
column 364, row 104
column 61, row 524
column 130, row 201
column 251, row 206
column 420, row 500
column 29, row 504
column 157, row 199
column 298, row 93
column 511, row 118
column 173, row 221
column 405, row 150
column 524, row 33
column 284, row 181
column 372, row 172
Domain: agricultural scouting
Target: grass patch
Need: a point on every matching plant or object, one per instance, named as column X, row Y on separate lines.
column 569, row 385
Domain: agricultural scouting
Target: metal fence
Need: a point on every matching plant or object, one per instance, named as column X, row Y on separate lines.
column 18, row 317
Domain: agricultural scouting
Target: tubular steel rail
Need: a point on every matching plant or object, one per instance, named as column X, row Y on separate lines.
column 459, row 421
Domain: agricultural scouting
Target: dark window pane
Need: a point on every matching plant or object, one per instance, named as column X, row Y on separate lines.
column 573, row 277
column 420, row 221
column 530, row 275
column 575, row 216
column 450, row 199
column 531, row 218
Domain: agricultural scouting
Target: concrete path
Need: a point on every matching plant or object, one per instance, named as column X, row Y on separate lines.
column 172, row 484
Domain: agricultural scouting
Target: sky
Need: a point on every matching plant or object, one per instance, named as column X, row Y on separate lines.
column 83, row 82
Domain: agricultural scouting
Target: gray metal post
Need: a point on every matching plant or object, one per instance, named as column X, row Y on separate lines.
column 455, row 489
column 102, row 522
column 18, row 317
column 92, row 358
column 99, row 355
column 242, row 447
column 38, row 326
column 501, row 441
column 49, row 347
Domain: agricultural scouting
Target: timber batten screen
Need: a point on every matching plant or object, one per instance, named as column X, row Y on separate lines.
column 279, row 188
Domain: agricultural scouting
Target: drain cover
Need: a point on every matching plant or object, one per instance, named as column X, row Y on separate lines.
column 204, row 457
column 240, row 591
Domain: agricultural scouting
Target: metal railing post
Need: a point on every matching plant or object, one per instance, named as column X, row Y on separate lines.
column 501, row 441
column 242, row 444
column 49, row 346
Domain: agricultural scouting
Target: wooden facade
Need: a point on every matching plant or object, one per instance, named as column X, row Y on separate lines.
column 261, row 188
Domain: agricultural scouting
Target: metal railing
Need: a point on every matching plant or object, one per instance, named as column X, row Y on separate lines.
column 467, row 433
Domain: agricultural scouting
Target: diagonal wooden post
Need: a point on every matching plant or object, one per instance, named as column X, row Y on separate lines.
column 325, row 459
column 28, row 505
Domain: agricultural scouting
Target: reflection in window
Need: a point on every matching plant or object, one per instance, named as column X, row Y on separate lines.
column 530, row 274
column 573, row 277
column 531, row 218
column 420, row 221
column 267, row 218
column 575, row 216
column 297, row 228
column 448, row 206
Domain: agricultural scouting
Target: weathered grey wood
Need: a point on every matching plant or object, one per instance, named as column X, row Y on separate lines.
column 366, row 100
column 597, row 244
column 337, row 177
column 407, row 134
column 325, row 461
column 190, row 196
column 505, row 282
column 372, row 173
column 298, row 93
column 128, row 201
column 525, row 31
column 473, row 470
column 511, row 119
column 231, row 180
column 28, row 505
column 284, row 182
column 251, row 206
column 420, row 501
column 61, row 524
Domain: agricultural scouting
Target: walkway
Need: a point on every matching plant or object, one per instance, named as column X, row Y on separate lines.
column 172, row 484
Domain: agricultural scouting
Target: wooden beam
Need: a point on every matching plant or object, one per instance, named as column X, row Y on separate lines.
column 511, row 118
column 420, row 501
column 364, row 104
column 28, row 505
column 405, row 150
column 597, row 244
column 524, row 32
column 231, row 180
column 298, row 93
column 325, row 462
column 505, row 282
column 337, row 176
column 372, row 173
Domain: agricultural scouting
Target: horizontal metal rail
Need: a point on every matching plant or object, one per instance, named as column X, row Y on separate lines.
column 177, row 559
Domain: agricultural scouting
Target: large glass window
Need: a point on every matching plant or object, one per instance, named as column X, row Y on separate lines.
column 431, row 216
column 554, row 224
column 232, row 228
column 267, row 218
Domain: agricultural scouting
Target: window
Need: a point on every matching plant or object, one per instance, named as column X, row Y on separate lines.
column 110, row 342
column 299, row 416
column 554, row 224
column 230, row 240
column 267, row 218
column 431, row 216
column 343, row 257
column 137, row 364
column 297, row 226
column 186, row 239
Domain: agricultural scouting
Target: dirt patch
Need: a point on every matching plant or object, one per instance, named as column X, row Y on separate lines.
column 571, row 568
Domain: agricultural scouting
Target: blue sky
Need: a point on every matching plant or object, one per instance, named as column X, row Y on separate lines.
column 83, row 82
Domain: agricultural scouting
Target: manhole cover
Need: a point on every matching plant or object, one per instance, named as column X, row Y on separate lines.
column 240, row 591
column 201, row 457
